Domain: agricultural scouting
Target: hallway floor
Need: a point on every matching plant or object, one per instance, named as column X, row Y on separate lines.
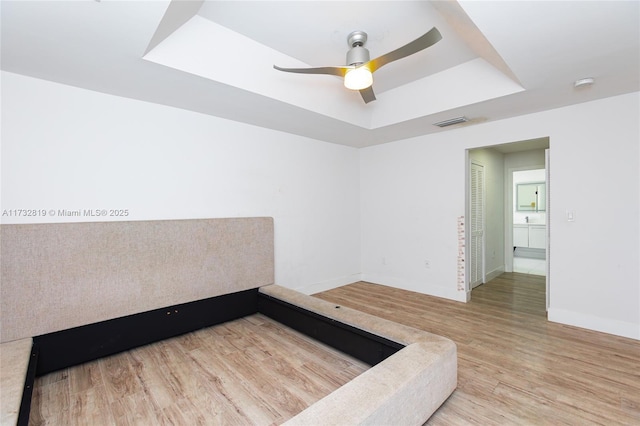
column 526, row 265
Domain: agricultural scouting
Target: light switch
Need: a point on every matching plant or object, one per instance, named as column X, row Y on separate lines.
column 570, row 216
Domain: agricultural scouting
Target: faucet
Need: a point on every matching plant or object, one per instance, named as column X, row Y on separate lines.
column 526, row 219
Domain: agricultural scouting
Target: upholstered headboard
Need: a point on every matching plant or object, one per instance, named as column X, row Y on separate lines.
column 59, row 276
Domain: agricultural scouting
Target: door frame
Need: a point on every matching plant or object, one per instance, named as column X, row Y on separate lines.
column 547, row 171
column 464, row 270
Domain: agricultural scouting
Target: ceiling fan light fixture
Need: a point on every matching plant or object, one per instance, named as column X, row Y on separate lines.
column 358, row 78
column 358, row 73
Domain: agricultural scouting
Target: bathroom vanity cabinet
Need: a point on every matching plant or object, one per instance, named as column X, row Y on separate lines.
column 530, row 235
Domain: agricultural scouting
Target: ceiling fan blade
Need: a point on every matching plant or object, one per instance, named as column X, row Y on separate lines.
column 429, row 39
column 368, row 95
column 339, row 71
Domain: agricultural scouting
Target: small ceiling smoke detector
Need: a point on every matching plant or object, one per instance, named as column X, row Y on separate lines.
column 451, row 121
column 583, row 82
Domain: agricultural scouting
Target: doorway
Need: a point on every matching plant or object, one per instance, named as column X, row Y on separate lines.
column 529, row 219
column 497, row 216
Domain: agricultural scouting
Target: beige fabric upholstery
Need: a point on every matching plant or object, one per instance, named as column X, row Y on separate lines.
column 59, row 276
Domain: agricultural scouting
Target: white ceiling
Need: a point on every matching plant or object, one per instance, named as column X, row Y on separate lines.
column 496, row 59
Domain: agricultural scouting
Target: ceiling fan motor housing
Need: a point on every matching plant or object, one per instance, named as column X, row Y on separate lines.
column 357, row 54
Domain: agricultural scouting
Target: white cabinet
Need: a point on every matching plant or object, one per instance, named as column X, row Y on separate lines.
column 538, row 236
column 521, row 235
column 532, row 236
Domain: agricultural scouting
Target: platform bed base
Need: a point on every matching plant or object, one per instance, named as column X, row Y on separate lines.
column 333, row 325
column 367, row 347
column 78, row 345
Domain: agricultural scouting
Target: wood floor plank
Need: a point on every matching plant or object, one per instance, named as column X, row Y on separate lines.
column 133, row 409
column 90, row 406
column 50, row 401
column 268, row 388
column 230, row 396
column 85, row 377
column 119, row 376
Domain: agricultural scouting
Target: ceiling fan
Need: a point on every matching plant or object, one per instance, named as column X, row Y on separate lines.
column 358, row 73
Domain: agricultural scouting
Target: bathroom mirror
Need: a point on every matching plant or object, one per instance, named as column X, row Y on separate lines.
column 531, row 197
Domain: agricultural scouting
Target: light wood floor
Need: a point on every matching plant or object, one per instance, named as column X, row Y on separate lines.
column 515, row 367
column 252, row 371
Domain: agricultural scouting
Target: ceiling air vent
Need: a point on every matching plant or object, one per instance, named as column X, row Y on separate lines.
column 451, row 121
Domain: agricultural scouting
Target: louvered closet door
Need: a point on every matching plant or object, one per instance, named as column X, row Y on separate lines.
column 476, row 273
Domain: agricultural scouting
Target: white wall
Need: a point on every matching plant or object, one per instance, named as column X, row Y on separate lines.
column 524, row 160
column 69, row 148
column 413, row 191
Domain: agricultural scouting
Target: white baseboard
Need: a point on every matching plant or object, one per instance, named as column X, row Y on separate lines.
column 495, row 273
column 431, row 290
column 590, row 322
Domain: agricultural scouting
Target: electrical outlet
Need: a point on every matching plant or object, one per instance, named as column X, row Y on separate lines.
column 427, row 263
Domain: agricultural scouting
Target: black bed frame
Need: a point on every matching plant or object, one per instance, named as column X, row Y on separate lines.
column 66, row 348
